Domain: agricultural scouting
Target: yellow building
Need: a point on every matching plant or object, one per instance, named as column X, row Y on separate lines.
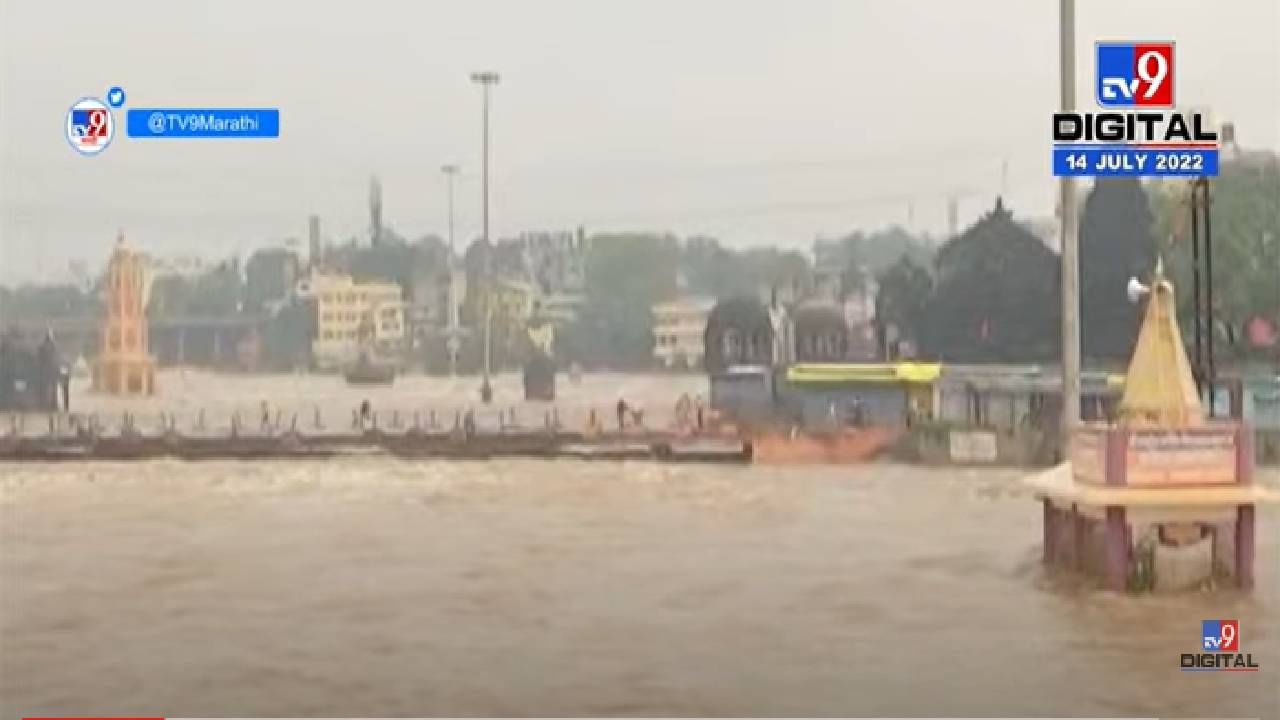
column 345, row 309
column 124, row 365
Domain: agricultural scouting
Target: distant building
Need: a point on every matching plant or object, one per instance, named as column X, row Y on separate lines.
column 342, row 306
column 679, row 327
column 1234, row 155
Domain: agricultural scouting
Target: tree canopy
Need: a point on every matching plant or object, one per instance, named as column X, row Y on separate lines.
column 1115, row 244
column 707, row 268
column 902, row 299
column 995, row 296
column 1246, row 245
column 862, row 255
column 626, row 273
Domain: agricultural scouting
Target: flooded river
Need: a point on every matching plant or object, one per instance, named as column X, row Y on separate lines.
column 381, row 587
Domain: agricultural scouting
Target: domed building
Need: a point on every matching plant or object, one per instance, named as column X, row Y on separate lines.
column 740, row 355
column 739, row 332
column 821, row 334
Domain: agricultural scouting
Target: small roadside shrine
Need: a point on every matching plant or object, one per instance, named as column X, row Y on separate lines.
column 1162, row 498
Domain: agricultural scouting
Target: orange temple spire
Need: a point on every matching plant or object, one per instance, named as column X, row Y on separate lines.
column 1159, row 388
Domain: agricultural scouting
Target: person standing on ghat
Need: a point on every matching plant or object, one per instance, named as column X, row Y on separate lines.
column 622, row 414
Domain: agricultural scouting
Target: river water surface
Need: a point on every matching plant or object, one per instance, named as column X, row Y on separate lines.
column 370, row 586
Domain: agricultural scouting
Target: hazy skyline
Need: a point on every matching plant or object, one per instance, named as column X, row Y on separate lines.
column 757, row 123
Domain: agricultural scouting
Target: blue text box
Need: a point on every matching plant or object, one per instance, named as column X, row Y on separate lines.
column 202, row 122
column 1132, row 160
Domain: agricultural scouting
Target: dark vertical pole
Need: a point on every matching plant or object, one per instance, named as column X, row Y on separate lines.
column 1198, row 361
column 1078, row 525
column 1208, row 283
column 1050, row 531
column 486, row 283
column 1244, row 545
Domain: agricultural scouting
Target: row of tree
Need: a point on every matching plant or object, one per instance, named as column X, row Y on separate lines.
column 993, row 292
column 989, row 294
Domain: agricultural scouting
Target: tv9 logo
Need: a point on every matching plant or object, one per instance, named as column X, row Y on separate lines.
column 1220, row 635
column 90, row 126
column 1135, row 74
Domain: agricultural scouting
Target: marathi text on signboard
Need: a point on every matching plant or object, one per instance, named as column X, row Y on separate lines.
column 1181, row 458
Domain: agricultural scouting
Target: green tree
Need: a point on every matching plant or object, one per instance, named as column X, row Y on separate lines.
column 1246, row 245
column 1115, row 244
column 626, row 274
column 901, row 299
column 35, row 302
column 768, row 268
column 860, row 256
column 269, row 276
column 286, row 342
column 217, row 292
column 711, row 269
column 995, row 296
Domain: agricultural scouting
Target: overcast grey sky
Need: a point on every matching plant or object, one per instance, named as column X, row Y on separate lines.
column 756, row 122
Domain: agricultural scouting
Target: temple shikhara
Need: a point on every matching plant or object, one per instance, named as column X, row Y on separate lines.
column 124, row 365
column 1163, row 498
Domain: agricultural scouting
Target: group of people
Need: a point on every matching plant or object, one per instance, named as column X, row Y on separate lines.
column 691, row 413
column 634, row 412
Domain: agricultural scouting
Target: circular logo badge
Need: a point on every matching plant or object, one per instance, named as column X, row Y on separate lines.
column 90, row 126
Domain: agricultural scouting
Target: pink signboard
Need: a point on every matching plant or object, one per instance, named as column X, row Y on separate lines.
column 1154, row 457
column 1088, row 456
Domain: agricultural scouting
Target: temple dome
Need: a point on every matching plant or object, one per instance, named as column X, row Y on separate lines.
column 821, row 334
column 738, row 333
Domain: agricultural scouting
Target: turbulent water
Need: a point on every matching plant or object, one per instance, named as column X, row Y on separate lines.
column 371, row 586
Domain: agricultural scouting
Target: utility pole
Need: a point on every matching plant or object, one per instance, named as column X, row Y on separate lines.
column 486, row 80
column 452, row 343
column 1197, row 295
column 1205, row 366
column 1070, row 236
column 1210, row 324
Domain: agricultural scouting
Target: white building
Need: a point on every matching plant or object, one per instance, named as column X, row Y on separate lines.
column 678, row 330
column 351, row 316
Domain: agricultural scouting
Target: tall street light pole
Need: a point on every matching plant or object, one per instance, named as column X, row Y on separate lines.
column 486, row 80
column 450, row 172
column 453, row 341
column 1070, row 236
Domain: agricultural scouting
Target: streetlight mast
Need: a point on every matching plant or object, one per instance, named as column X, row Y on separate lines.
column 486, row 80
column 453, row 341
column 1070, row 236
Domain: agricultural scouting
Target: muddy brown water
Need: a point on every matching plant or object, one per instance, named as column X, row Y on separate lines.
column 371, row 586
